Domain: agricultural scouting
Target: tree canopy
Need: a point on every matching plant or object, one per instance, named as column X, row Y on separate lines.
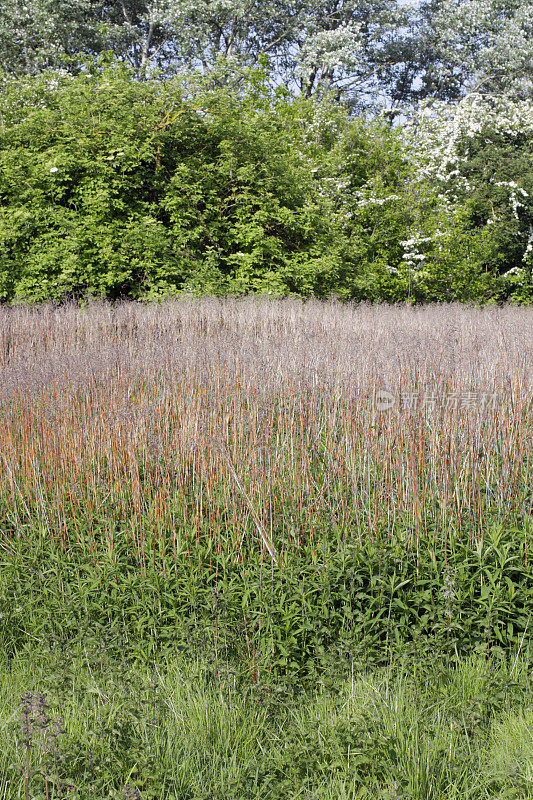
column 367, row 51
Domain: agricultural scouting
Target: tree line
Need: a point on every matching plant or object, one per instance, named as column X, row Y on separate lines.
column 372, row 150
column 365, row 52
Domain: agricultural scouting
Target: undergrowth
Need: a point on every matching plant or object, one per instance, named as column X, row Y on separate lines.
column 305, row 618
column 97, row 727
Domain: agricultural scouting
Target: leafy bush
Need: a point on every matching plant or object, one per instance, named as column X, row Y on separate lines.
column 311, row 618
column 115, row 187
column 475, row 159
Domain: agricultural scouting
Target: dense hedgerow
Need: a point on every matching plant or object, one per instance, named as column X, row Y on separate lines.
column 119, row 188
column 115, row 187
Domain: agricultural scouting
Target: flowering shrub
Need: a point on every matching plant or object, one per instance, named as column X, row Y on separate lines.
column 114, row 187
column 476, row 156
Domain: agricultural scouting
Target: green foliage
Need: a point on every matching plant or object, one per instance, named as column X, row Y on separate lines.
column 474, row 167
column 372, row 54
column 168, row 731
column 493, row 164
column 309, row 616
column 114, row 187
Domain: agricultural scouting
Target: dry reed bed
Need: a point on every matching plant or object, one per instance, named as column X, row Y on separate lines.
column 259, row 421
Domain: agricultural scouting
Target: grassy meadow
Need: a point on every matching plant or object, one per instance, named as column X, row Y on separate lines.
column 273, row 549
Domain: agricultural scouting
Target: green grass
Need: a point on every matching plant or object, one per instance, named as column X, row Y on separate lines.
column 351, row 672
column 170, row 730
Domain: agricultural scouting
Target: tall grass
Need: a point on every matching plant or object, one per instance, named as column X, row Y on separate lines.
column 209, row 505
column 260, row 422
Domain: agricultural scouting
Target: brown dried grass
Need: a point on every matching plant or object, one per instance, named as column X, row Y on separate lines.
column 256, row 420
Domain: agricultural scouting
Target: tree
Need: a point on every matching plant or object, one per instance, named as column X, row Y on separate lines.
column 459, row 46
column 40, row 34
column 368, row 52
column 476, row 158
column 312, row 47
column 341, row 47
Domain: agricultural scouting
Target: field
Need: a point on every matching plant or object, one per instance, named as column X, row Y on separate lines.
column 271, row 549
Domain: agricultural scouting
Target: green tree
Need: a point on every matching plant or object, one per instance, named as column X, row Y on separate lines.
column 460, row 46
column 311, row 47
column 475, row 158
column 113, row 186
column 36, row 35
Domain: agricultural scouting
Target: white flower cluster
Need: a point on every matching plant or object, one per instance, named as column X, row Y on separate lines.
column 514, row 202
column 331, row 48
column 529, row 248
column 363, row 200
column 412, row 256
column 433, row 135
column 438, row 137
column 490, row 40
